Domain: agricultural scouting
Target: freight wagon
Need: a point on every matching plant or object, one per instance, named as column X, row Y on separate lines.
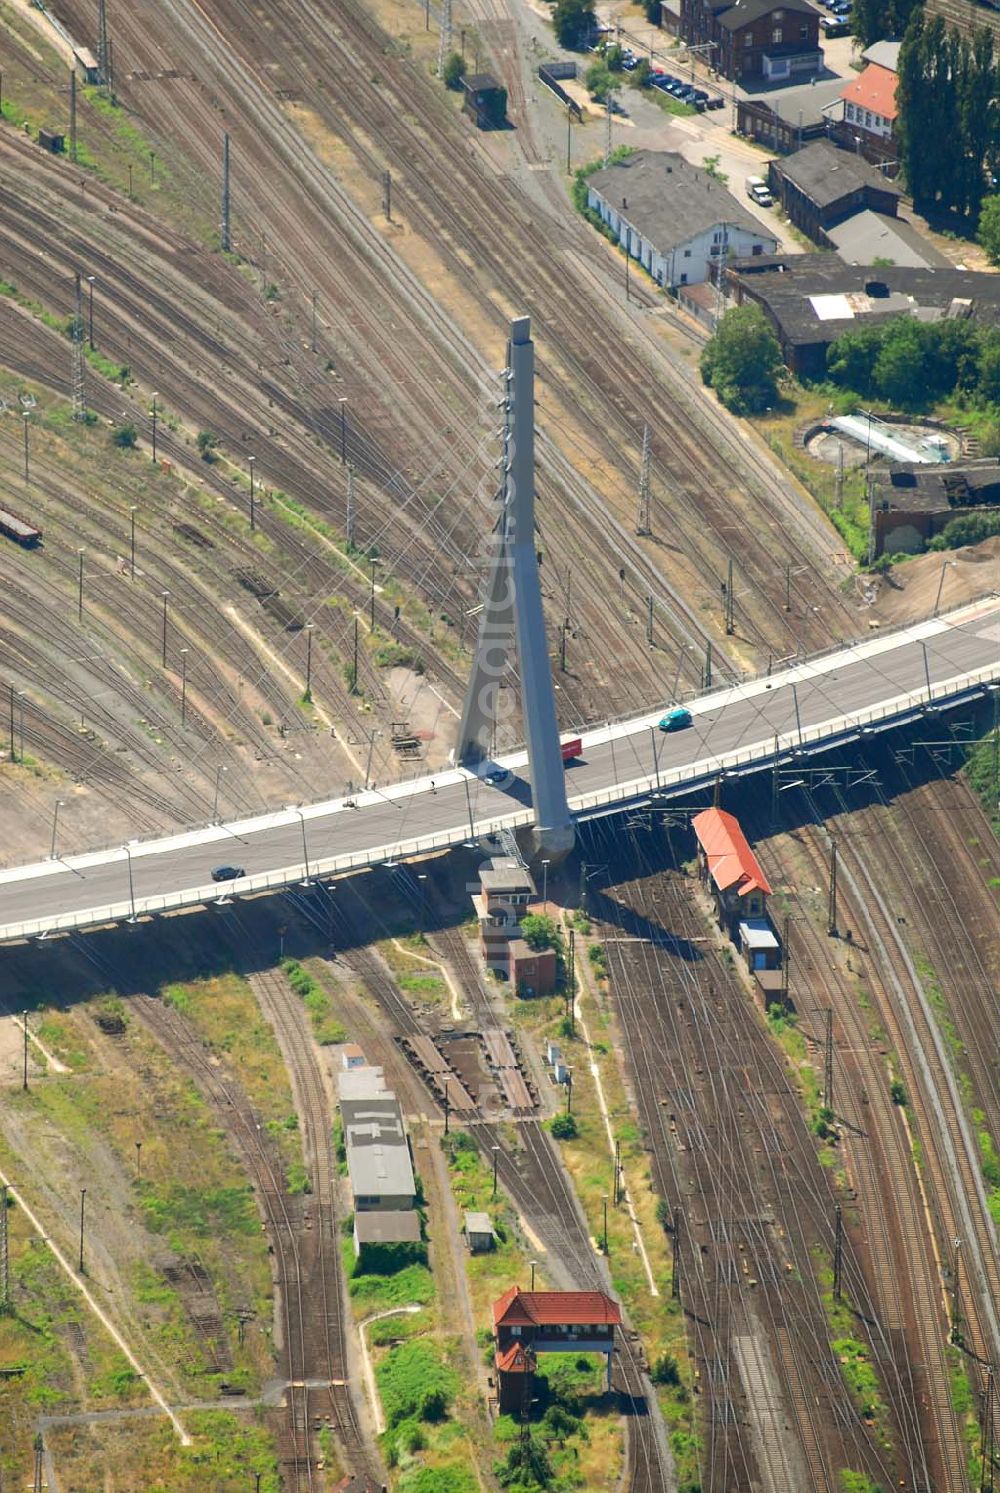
column 19, row 529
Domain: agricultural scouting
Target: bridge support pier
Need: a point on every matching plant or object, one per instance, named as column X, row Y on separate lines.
column 512, row 617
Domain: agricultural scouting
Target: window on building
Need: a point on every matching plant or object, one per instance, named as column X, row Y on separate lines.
column 868, row 119
column 803, row 32
column 687, row 253
column 849, row 111
column 684, row 279
column 776, row 34
column 748, row 40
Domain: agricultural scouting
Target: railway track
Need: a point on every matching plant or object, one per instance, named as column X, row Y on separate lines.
column 748, row 1200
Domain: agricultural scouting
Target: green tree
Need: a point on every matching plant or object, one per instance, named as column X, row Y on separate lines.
column 710, row 166
column 652, row 11
column 742, row 361
column 641, row 73
column 124, row 436
column 988, row 234
column 526, row 1462
column 871, row 20
column 454, row 70
column 564, row 1127
column 968, row 528
column 539, row 931
column 850, row 360
column 207, row 444
column 573, row 21
column 614, row 57
column 598, row 81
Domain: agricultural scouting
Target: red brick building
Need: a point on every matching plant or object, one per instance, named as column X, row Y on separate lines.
column 756, row 40
column 526, row 1323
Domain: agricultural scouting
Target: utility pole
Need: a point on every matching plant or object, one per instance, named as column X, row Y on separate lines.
column 564, row 629
column 163, row 638
column 956, row 1298
column 838, row 1252
column 828, row 1064
column 90, row 312
column 569, row 139
column 24, row 1023
column 583, row 883
column 839, row 498
column 446, row 1106
column 444, row 39
column 675, row 1274
column 730, row 602
column 831, row 910
column 350, row 505
column 354, row 672
column 372, row 561
column 131, row 563
column 72, row 114
column 642, row 519
column 184, row 685
column 79, row 403
column 706, row 677
column 83, row 1202
column 785, row 960
column 309, row 662
column 618, row 1171
column 607, row 129
column 226, row 242
column 6, row 1306
column 986, row 1449
column 103, row 50
column 571, row 981
column 342, row 401
column 79, row 588
column 649, row 620
column 153, row 414
column 387, row 195
column 253, row 512
column 788, row 588
column 27, row 422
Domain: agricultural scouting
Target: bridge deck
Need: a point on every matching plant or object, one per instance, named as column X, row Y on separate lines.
column 816, row 703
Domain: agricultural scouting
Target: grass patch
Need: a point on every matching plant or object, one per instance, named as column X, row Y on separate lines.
column 371, row 1293
column 318, row 1002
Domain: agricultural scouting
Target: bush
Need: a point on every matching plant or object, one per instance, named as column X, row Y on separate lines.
column 969, row 528
column 564, row 1127
column 415, row 1384
column 742, row 361
column 663, row 1215
column 540, row 931
column 395, row 656
column 454, row 71
column 207, row 444
column 665, row 1370
column 897, row 1093
column 526, row 1464
column 125, row 436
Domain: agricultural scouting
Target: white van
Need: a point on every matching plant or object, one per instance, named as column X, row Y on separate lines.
column 757, row 191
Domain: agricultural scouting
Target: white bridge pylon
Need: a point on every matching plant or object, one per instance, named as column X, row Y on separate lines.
column 512, row 618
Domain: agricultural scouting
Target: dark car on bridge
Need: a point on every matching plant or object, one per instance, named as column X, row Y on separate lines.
column 227, row 873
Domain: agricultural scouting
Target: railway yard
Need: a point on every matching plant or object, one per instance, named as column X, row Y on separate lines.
column 251, row 577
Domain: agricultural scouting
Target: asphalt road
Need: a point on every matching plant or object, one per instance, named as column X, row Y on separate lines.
column 741, row 719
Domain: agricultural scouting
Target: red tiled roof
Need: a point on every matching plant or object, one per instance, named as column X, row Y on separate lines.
column 874, row 89
column 514, row 1361
column 553, row 1308
column 731, row 862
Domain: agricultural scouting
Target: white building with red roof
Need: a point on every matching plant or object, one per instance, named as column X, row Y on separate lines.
column 737, row 882
column 864, row 116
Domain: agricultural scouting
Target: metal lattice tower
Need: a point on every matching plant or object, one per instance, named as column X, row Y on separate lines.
column 642, row 518
column 444, row 40
column 103, row 49
column 512, row 614
column 6, row 1305
column 79, row 401
column 225, row 195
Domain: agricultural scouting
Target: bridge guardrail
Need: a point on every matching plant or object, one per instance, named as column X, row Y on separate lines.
column 784, row 745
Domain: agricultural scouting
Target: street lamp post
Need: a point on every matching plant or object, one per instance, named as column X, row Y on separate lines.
column 215, row 801
column 55, row 822
column 253, row 516
column 937, row 599
column 545, row 886
column 131, row 884
column 305, row 847
column 604, row 1200
column 496, row 1158
column 532, row 1263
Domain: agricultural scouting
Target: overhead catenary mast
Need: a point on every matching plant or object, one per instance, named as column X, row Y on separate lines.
column 225, row 195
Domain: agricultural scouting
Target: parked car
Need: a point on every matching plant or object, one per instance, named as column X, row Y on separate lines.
column 227, row 873
column 676, row 719
column 716, row 102
column 834, row 26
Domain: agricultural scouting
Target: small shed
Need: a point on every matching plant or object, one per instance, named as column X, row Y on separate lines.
column 532, row 971
column 390, row 1238
column 485, row 101
column 52, row 141
column 758, row 944
column 552, row 1051
column 88, row 64
column 352, row 1056
column 479, row 1235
